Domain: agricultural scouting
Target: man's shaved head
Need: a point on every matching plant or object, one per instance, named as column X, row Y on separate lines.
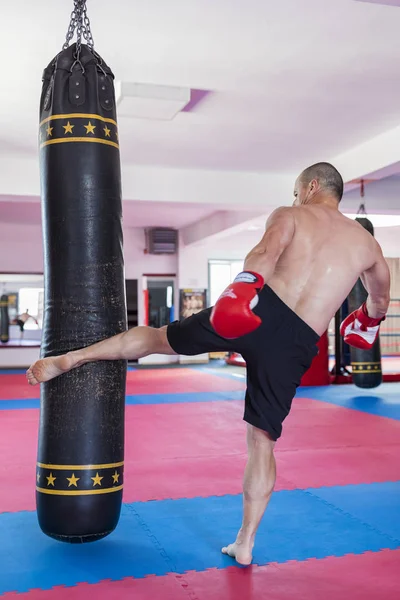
column 329, row 178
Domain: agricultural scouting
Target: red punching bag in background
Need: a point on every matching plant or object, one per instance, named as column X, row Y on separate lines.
column 318, row 373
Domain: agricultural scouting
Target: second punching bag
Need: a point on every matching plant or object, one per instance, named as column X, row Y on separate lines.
column 366, row 364
column 4, row 320
column 79, row 477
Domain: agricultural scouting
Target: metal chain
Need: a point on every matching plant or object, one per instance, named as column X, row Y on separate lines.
column 80, row 22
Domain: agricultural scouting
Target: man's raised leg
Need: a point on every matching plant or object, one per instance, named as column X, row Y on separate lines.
column 258, row 485
column 129, row 345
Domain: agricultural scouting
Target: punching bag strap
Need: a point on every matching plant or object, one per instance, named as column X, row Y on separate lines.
column 106, row 91
column 77, row 88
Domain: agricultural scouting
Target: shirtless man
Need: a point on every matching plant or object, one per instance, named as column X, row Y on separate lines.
column 273, row 314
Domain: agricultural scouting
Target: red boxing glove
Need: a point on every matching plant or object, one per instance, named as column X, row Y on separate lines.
column 232, row 315
column 359, row 330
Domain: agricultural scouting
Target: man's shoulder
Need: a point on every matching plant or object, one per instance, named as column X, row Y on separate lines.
column 282, row 212
column 363, row 228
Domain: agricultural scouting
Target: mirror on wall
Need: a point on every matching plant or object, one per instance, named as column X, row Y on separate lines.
column 25, row 294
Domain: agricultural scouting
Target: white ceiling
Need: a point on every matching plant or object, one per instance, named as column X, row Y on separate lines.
column 292, row 81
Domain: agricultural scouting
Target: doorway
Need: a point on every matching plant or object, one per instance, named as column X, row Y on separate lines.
column 161, row 299
column 132, row 302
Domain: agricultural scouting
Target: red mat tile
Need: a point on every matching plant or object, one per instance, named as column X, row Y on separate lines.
column 174, row 381
column 184, row 430
column 339, row 466
column 157, row 381
column 150, row 588
column 16, row 387
column 312, row 424
column 369, row 576
column 187, row 450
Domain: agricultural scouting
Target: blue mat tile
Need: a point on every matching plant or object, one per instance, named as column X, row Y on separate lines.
column 377, row 504
column 185, row 397
column 29, row 559
column 19, row 404
column 141, row 399
column 162, row 536
column 297, row 526
column 383, row 401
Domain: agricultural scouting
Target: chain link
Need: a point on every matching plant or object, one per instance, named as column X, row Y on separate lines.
column 80, row 22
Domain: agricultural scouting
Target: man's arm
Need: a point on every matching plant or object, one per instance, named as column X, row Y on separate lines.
column 232, row 315
column 361, row 328
column 278, row 234
column 376, row 281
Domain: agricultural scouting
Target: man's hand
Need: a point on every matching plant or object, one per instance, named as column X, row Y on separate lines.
column 359, row 330
column 232, row 315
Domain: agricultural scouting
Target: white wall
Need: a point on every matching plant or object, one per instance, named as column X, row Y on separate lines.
column 21, row 251
column 193, row 259
column 193, row 266
column 389, row 239
column 137, row 263
column 21, row 248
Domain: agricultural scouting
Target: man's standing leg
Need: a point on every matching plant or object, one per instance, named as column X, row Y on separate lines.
column 258, row 485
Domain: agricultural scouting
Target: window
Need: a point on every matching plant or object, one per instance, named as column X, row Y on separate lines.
column 31, row 300
column 221, row 274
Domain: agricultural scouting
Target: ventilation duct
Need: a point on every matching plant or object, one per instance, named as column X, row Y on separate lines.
column 161, row 240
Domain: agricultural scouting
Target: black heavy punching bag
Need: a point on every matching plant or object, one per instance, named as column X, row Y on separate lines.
column 81, row 437
column 4, row 320
column 366, row 364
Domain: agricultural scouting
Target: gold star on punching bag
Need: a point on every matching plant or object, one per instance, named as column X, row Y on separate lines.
column 68, row 128
column 107, row 131
column 96, row 480
column 115, row 477
column 51, row 480
column 73, row 480
column 90, row 128
column 49, row 131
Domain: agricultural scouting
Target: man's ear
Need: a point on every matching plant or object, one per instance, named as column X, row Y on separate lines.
column 314, row 186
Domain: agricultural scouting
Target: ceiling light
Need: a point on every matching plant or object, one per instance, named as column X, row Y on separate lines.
column 148, row 101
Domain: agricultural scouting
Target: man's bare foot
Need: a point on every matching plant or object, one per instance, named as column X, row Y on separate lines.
column 48, row 368
column 241, row 550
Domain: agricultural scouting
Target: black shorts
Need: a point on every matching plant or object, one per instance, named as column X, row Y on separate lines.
column 277, row 355
column 21, row 325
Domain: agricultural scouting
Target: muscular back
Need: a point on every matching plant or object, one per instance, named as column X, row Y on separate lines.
column 326, row 255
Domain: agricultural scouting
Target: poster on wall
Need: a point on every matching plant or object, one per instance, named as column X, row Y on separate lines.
column 191, row 302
